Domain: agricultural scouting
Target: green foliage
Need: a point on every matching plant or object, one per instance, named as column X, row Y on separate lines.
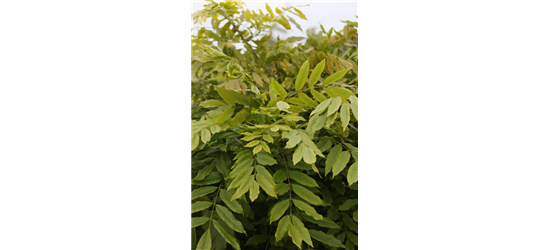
column 271, row 119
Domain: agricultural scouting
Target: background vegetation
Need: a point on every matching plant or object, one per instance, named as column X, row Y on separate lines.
column 274, row 132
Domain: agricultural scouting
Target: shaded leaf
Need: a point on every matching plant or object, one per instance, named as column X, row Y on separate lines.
column 233, row 205
column 198, row 221
column 205, row 242
column 278, row 210
column 200, row 205
column 282, row 228
column 326, row 239
column 226, row 234
column 229, row 218
column 202, row 191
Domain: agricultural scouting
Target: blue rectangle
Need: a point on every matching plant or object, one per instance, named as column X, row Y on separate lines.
column 454, row 154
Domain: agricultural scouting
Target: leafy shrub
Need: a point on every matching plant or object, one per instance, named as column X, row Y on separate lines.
column 274, row 132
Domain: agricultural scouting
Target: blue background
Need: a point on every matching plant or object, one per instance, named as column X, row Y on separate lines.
column 454, row 154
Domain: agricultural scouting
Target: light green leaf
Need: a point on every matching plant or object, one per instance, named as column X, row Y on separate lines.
column 231, row 97
column 195, row 141
column 318, row 96
column 202, row 191
column 309, row 156
column 282, row 105
column 265, row 180
column 334, row 105
column 247, row 182
column 258, row 149
column 293, row 138
column 205, row 242
column 199, row 206
column 354, row 105
column 302, row 75
column 295, row 234
column 341, row 162
column 335, row 76
column 269, row 9
column 252, row 144
column 307, row 209
column 268, row 138
column 307, row 100
column 282, row 228
column 345, row 115
column 298, row 154
column 212, row 104
column 265, row 159
column 240, row 117
column 303, row 232
column 254, row 191
column 198, row 221
column 321, row 107
column 331, row 158
column 282, row 188
column 205, row 135
column 277, row 88
column 226, row 234
column 326, row 239
column 316, row 73
column 225, row 115
column 338, row 92
column 352, row 174
column 229, row 218
column 279, row 209
column 307, row 195
column 266, row 147
column 316, row 123
column 233, row 205
column 303, row 179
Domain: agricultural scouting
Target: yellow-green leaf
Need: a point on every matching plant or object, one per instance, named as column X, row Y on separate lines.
column 282, row 228
column 307, row 195
column 354, row 105
column 321, row 107
column 335, row 76
column 205, row 135
column 229, row 218
column 233, row 205
column 205, row 242
column 302, row 75
column 352, row 174
column 318, row 96
column 326, row 239
column 265, row 180
column 247, row 182
column 309, row 156
column 225, row 115
column 298, row 154
column 307, row 209
column 345, row 115
column 304, row 233
column 278, row 210
column 315, row 75
column 226, row 234
column 212, row 104
column 340, row 163
column 277, row 88
column 199, row 206
column 254, row 191
column 198, row 221
column 252, row 144
column 303, row 179
column 202, row 191
column 334, row 105
column 240, row 117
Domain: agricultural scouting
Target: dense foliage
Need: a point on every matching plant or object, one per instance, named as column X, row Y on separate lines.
column 274, row 132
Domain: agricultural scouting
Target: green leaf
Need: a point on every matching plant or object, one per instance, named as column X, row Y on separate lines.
column 307, row 100
column 226, row 234
column 222, row 164
column 265, row 159
column 254, row 191
column 309, row 156
column 279, row 209
column 229, row 218
column 247, row 182
column 300, row 13
column 321, row 107
column 233, row 205
column 278, row 89
column 212, row 104
column 318, row 96
column 325, row 222
column 352, row 174
column 355, row 216
column 341, row 162
column 303, row 179
column 200, row 205
column 198, row 221
column 256, row 240
column 302, row 75
column 268, row 138
column 282, row 188
column 231, row 97
column 307, row 195
column 258, row 149
column 331, row 158
column 298, row 154
column 282, row 228
column 348, row 204
column 335, row 76
column 205, row 135
column 240, row 117
column 295, row 234
column 345, row 115
column 212, row 178
column 326, row 239
column 202, row 173
column 202, row 191
column 205, row 242
column 316, row 73
column 225, row 115
column 252, row 144
column 307, row 209
column 338, row 92
column 334, row 105
column 265, row 180
column 355, row 106
column 304, row 233
column 293, row 138
column 316, row 123
column 195, row 141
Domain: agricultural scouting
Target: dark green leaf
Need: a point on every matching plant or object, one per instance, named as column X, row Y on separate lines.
column 200, row 205
column 226, row 234
column 233, row 205
column 205, row 242
column 198, row 221
column 229, row 218
column 326, row 239
column 202, row 191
